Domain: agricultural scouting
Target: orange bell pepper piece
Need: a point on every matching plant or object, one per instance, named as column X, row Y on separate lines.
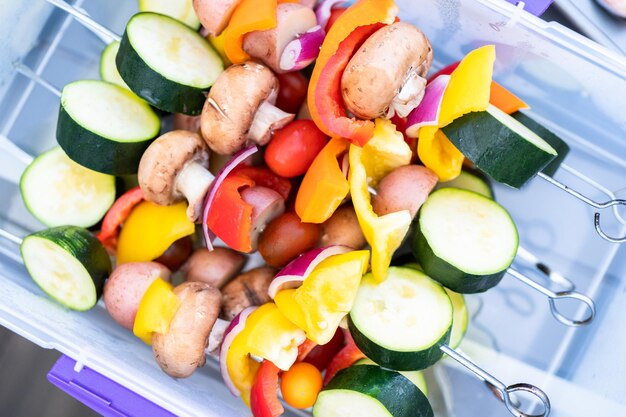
column 249, row 16
column 324, row 97
column 324, row 185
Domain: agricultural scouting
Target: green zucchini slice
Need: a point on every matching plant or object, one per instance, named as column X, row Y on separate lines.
column 416, row 377
column 108, row 69
column 370, row 391
column 470, row 181
column 178, row 9
column 167, row 63
column 401, row 323
column 69, row 264
column 105, row 127
column 464, row 240
column 59, row 192
column 500, row 146
column 556, row 142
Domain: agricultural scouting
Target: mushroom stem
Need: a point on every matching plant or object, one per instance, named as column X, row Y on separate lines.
column 215, row 337
column 267, row 119
column 409, row 96
column 194, row 182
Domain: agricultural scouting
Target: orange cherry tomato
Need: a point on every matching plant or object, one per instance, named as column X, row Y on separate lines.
column 292, row 91
column 301, row 384
column 293, row 148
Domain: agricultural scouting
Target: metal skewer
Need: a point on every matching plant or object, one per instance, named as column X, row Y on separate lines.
column 106, row 35
column 502, row 391
column 552, row 275
column 610, row 203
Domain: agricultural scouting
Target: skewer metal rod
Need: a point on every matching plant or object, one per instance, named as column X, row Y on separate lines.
column 32, row 75
column 17, row 152
column 102, row 32
column 592, row 203
column 504, row 392
column 553, row 297
column 11, row 237
column 554, row 276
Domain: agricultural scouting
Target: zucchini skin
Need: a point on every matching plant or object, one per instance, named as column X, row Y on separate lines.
column 97, row 152
column 559, row 145
column 83, row 246
column 398, row 361
column 448, row 275
column 511, row 162
column 158, row 91
column 400, row 396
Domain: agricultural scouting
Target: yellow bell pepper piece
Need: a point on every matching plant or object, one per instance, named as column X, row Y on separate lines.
column 156, row 310
column 468, row 91
column 269, row 335
column 385, row 233
column 326, row 296
column 150, row 230
column 385, row 151
column 217, row 42
column 324, row 186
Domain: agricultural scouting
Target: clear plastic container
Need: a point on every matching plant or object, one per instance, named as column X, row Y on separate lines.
column 574, row 86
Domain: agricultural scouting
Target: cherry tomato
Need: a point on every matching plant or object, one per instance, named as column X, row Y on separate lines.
column 292, row 91
column 334, row 15
column 294, row 147
column 301, row 384
column 285, row 238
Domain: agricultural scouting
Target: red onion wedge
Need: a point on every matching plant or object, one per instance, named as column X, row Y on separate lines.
column 237, row 159
column 427, row 113
column 303, row 50
column 236, row 326
column 266, row 204
column 300, row 268
column 323, row 9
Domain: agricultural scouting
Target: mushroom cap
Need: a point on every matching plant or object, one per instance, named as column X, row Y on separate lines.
column 215, row 267
column 379, row 69
column 181, row 350
column 164, row 159
column 232, row 104
column 246, row 290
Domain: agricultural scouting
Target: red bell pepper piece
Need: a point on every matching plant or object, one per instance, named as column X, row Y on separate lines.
column 264, row 395
column 322, row 355
column 264, row 177
column 117, row 214
column 500, row 96
column 344, row 359
column 327, row 92
column 230, row 216
column 305, row 349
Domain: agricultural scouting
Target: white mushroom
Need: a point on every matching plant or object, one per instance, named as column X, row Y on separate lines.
column 386, row 75
column 240, row 109
column 174, row 168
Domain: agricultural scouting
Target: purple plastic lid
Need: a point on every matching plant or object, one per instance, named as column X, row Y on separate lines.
column 536, row 7
column 100, row 393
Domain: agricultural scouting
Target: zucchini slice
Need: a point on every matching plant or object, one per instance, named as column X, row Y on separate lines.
column 464, row 240
column 470, row 181
column 556, row 142
column 461, row 318
column 105, row 127
column 500, row 146
column 181, row 10
column 108, row 69
column 416, row 377
column 59, row 192
column 69, row 264
column 167, row 63
column 371, row 391
column 401, row 323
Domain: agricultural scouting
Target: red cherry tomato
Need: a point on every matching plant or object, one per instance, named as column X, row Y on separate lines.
column 292, row 91
column 294, row 147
